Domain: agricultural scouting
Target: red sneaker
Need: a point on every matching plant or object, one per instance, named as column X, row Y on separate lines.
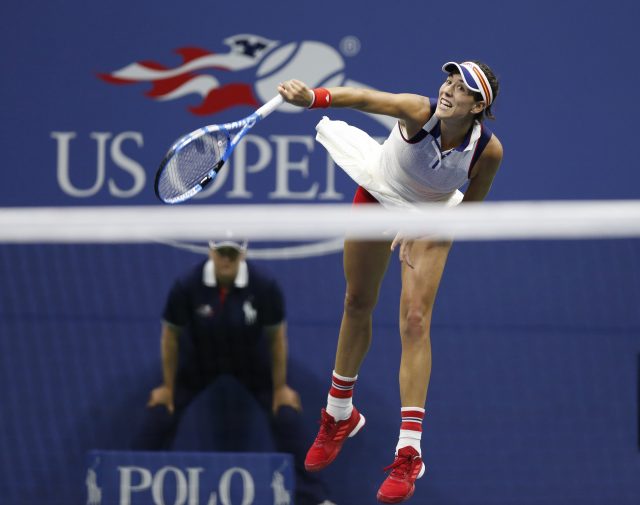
column 330, row 438
column 400, row 483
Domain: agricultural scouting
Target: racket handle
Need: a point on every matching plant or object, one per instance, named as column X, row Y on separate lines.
column 270, row 106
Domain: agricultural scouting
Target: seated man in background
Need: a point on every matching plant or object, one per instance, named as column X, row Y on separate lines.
column 234, row 316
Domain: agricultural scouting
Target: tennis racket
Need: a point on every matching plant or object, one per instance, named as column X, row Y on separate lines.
column 195, row 159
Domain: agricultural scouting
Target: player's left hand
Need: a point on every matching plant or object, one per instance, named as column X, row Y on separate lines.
column 285, row 396
column 405, row 249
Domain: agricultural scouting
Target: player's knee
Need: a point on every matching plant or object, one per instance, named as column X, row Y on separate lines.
column 359, row 304
column 414, row 324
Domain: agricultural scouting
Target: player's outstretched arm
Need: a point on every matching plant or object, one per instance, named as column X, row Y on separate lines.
column 403, row 106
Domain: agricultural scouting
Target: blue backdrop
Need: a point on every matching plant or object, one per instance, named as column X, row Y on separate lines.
column 566, row 70
column 534, row 390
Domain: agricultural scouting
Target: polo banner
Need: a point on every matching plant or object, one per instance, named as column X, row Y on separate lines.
column 188, row 478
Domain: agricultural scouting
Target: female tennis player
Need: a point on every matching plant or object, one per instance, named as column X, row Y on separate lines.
column 437, row 146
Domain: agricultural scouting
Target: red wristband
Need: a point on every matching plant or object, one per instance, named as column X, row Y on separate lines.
column 321, row 98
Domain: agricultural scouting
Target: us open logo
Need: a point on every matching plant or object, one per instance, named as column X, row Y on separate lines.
column 221, row 80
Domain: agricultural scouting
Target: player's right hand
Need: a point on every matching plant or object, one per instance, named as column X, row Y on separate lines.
column 296, row 93
column 162, row 395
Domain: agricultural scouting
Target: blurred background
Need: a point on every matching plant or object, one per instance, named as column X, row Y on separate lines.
column 534, row 392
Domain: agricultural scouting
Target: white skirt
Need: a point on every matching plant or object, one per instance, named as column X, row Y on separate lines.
column 358, row 155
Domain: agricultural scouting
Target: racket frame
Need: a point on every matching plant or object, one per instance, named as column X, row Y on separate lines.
column 243, row 125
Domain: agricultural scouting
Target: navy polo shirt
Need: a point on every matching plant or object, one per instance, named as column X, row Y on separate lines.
column 224, row 328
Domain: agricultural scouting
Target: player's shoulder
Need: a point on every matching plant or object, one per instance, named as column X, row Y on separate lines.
column 417, row 110
column 423, row 107
column 489, row 143
column 494, row 149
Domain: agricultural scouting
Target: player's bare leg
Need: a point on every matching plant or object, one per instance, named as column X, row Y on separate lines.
column 419, row 288
column 365, row 264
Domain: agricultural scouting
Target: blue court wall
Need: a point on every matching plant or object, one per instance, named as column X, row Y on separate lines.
column 93, row 95
column 534, row 390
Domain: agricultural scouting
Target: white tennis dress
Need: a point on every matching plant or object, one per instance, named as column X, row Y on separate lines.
column 403, row 172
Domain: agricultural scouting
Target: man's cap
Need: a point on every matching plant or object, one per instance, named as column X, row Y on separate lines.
column 238, row 245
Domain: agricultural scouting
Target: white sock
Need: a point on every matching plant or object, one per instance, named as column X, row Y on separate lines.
column 409, row 438
column 339, row 408
column 411, row 428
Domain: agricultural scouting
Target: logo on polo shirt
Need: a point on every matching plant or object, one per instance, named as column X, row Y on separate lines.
column 250, row 313
column 205, row 310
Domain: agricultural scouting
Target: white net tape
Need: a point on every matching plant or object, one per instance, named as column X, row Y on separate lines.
column 470, row 221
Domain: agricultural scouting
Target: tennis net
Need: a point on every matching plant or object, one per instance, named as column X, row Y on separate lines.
column 535, row 336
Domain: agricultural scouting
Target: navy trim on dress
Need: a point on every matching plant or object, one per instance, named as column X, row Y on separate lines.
column 485, row 137
column 433, row 103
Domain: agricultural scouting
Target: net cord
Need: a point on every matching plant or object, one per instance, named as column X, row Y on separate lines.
column 469, row 221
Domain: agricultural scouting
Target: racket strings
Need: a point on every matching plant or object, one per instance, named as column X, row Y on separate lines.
column 190, row 164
